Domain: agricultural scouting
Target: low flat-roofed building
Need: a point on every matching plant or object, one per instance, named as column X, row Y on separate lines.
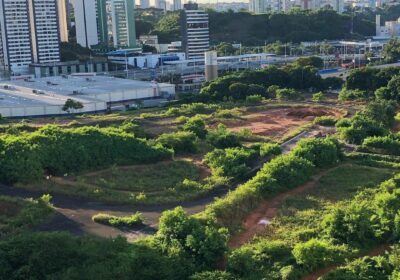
column 46, row 96
column 66, row 68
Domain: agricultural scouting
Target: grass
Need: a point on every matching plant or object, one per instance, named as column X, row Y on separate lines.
column 145, row 178
column 161, row 183
column 18, row 215
column 132, row 221
column 300, row 215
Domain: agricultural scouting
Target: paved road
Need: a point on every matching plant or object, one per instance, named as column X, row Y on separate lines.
column 344, row 73
column 74, row 215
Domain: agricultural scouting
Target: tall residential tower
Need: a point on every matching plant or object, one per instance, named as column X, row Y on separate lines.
column 195, row 31
column 29, row 32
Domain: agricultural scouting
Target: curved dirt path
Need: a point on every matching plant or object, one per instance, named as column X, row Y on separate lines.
column 379, row 250
column 260, row 218
column 75, row 215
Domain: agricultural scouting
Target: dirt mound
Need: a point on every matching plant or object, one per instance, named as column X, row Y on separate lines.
column 309, row 112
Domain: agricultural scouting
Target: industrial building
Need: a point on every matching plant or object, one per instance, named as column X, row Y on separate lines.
column 390, row 29
column 46, row 96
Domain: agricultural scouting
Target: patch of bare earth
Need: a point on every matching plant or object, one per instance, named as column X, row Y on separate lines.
column 258, row 220
column 275, row 123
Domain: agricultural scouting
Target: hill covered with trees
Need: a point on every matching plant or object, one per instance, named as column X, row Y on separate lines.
column 252, row 30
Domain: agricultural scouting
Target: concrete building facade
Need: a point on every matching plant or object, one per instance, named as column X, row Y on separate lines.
column 195, row 31
column 123, row 20
column 29, row 32
column 86, row 22
column 44, row 29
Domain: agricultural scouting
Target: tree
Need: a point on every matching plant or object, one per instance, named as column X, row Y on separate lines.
column 238, row 90
column 313, row 61
column 204, row 244
column 71, row 104
column 196, row 125
column 318, row 97
column 391, row 51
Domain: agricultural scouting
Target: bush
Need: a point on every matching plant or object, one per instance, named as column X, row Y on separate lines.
column 134, row 220
column 325, row 121
column 384, row 144
column 213, row 275
column 230, row 162
column 287, row 94
column 254, row 99
column 203, row 244
column 222, row 138
column 317, row 253
column 196, row 125
column 321, row 152
column 257, row 260
column 58, row 151
column 356, row 129
column 288, row 170
column 270, row 149
column 354, row 224
column 347, row 95
column 180, row 142
column 318, row 97
column 377, row 268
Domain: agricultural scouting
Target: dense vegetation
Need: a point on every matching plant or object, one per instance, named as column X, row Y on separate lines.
column 281, row 173
column 57, row 151
column 253, row 30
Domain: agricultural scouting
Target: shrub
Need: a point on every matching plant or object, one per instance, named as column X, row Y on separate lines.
column 377, row 268
column 269, row 149
column 356, row 129
column 321, row 152
column 196, row 125
column 317, row 253
column 356, row 94
column 287, row 94
column 222, row 138
column 230, row 162
column 204, row 244
column 325, row 121
column 127, row 221
column 384, row 144
column 58, row 151
column 318, row 97
column 257, row 260
column 353, row 224
column 288, row 170
column 213, row 275
column 254, row 99
column 180, row 142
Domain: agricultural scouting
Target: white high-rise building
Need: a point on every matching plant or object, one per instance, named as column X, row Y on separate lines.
column 144, row 4
column 44, row 31
column 176, row 5
column 269, row 6
column 63, row 18
column 29, row 34
column 86, row 22
column 195, row 29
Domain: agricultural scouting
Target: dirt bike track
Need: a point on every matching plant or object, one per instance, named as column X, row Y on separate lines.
column 75, row 215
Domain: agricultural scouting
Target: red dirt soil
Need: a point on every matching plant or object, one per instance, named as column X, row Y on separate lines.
column 275, row 123
column 268, row 210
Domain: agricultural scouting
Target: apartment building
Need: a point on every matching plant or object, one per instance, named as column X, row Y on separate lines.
column 29, row 32
column 195, row 31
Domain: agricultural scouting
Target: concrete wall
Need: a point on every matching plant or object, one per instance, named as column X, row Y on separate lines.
column 46, row 110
